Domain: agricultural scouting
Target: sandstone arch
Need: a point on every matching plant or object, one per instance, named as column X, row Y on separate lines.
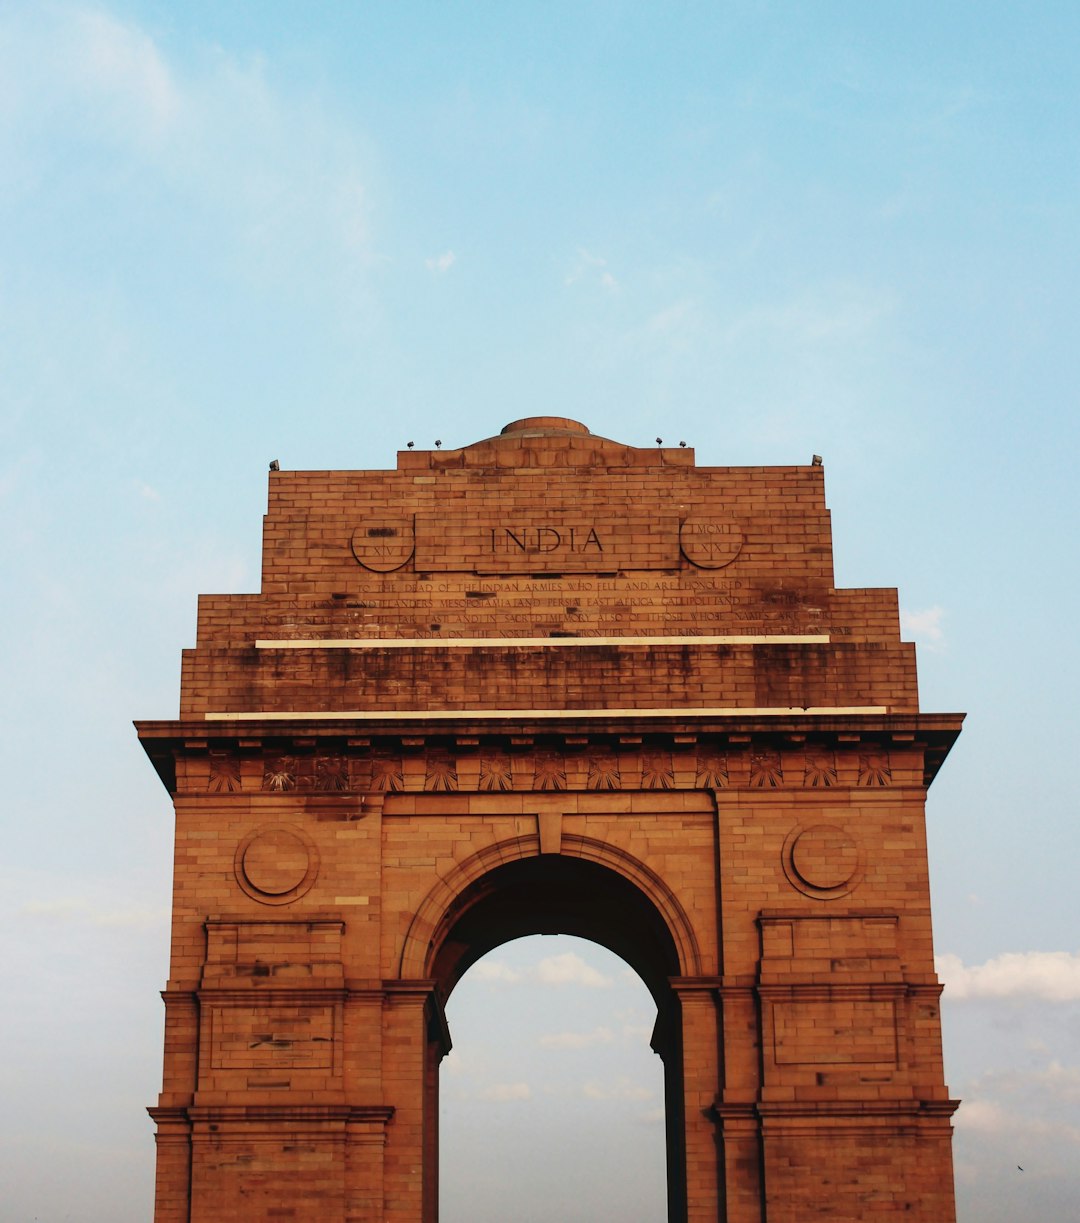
column 419, row 951
column 540, row 680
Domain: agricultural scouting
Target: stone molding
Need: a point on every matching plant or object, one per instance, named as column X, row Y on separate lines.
column 335, row 765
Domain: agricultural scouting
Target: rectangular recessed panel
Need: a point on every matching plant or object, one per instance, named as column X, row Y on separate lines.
column 841, row 1032
column 272, row 1038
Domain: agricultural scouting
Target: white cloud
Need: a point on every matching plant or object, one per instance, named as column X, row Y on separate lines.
column 1053, row 1081
column 638, row 1034
column 441, row 263
column 502, row 1093
column 82, row 61
column 593, row 268
column 924, row 627
column 1050, row 976
column 496, row 970
column 58, row 910
column 672, row 332
column 984, row 1116
column 70, row 909
column 286, row 186
column 1060, row 1081
column 621, row 1089
column 678, row 319
column 569, row 969
column 578, row 1040
column 121, row 64
column 832, row 312
column 556, row 970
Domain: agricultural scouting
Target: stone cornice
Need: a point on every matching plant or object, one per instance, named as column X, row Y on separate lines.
column 167, row 741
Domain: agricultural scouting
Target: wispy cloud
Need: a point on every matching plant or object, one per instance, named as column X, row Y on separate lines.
column 441, row 264
column 554, row 970
column 70, row 909
column 146, row 491
column 120, row 65
column 570, row 969
column 591, row 268
column 1049, row 976
column 924, row 627
column 496, row 971
column 502, row 1093
column 285, row 184
column 578, row 1040
column 984, row 1115
column 620, row 1089
column 987, row 1116
column 1061, row 1081
column 828, row 313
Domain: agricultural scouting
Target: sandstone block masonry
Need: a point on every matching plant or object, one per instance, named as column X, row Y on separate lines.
column 549, row 682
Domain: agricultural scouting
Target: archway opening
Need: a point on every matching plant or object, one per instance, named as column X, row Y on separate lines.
column 570, row 896
column 551, row 1101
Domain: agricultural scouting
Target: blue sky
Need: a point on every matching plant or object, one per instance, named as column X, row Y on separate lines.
column 236, row 233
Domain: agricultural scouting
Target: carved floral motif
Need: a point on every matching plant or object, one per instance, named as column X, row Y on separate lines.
column 281, row 773
column 441, row 773
column 331, row 773
column 657, row 772
column 386, row 773
column 495, row 772
column 604, row 773
column 492, row 771
column 875, row 768
column 224, row 773
column 712, row 771
column 819, row 769
column 766, row 770
column 549, row 772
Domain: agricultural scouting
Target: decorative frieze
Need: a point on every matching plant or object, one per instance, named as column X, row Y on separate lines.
column 819, row 769
column 224, row 773
column 604, row 772
column 657, row 771
column 542, row 764
column 875, row 768
column 766, row 769
column 495, row 772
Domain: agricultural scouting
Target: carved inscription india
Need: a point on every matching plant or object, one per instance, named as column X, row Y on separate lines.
column 561, row 542
column 542, row 540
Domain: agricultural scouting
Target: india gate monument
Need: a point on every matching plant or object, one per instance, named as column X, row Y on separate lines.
column 551, row 683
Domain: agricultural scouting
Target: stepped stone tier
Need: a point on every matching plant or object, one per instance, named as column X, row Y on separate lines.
column 551, row 683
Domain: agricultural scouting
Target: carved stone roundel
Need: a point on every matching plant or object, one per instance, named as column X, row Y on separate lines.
column 710, row 543
column 383, row 544
column 824, row 856
column 275, row 864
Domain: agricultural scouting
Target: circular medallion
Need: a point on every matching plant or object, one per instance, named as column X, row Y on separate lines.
column 383, row 544
column 276, row 865
column 710, row 543
column 822, row 860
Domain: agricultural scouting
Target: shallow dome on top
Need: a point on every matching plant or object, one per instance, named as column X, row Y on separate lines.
column 553, row 428
column 543, row 426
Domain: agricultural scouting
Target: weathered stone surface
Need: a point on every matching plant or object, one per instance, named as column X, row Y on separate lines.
column 551, row 682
